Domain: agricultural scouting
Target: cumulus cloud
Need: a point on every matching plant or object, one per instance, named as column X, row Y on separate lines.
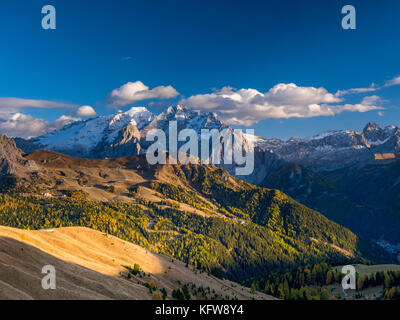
column 248, row 106
column 137, row 91
column 393, row 82
column 85, row 111
column 27, row 126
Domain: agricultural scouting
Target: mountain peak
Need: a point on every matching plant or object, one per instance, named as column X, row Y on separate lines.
column 177, row 108
column 138, row 116
column 177, row 112
column 371, row 126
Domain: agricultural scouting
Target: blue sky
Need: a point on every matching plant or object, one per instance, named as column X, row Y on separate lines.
column 198, row 48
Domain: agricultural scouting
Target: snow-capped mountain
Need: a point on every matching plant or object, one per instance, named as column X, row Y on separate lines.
column 336, row 148
column 124, row 134
column 101, row 136
column 98, row 137
column 185, row 119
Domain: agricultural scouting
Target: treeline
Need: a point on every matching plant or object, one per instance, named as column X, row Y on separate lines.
column 128, row 222
column 307, row 283
column 390, row 280
column 387, row 279
column 303, row 283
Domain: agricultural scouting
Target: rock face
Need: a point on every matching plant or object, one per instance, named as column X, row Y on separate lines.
column 127, row 143
column 12, row 162
column 338, row 148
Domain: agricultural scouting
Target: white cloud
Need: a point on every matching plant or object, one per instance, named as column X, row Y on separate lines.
column 85, row 111
column 248, row 106
column 61, row 122
column 371, row 88
column 371, row 100
column 23, row 125
column 367, row 104
column 291, row 94
column 393, row 82
column 14, row 123
column 12, row 104
column 137, row 91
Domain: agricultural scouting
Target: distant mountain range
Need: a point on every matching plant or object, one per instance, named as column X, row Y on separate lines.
column 337, row 148
column 353, row 177
column 123, row 134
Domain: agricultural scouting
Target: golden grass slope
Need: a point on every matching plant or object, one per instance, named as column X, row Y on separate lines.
column 90, row 265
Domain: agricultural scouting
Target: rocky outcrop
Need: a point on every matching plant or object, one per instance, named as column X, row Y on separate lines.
column 11, row 159
column 126, row 144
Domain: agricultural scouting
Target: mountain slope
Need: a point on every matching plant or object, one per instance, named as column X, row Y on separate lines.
column 375, row 188
column 93, row 265
column 362, row 197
